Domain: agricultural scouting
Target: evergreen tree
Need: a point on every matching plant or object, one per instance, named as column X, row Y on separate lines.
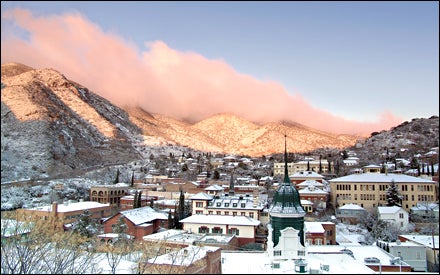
column 132, row 179
column 170, row 220
column 216, row 175
column 432, row 169
column 392, row 195
column 85, row 226
column 139, row 199
column 176, row 218
column 117, row 177
column 308, row 165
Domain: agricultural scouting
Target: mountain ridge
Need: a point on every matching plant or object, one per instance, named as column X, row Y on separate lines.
column 53, row 125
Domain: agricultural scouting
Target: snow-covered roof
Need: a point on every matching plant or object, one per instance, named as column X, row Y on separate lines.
column 381, row 178
column 143, row 215
column 310, row 182
column 360, row 252
column 201, row 196
column 313, row 227
column 261, row 263
column 221, row 219
column 306, row 202
column 424, row 206
column 185, row 256
column 351, row 206
column 389, row 209
column 423, row 240
column 312, row 190
column 214, row 187
column 72, row 206
column 308, row 174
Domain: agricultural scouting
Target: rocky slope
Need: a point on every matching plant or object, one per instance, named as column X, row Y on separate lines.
column 51, row 126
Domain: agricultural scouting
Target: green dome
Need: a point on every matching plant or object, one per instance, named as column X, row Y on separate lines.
column 287, row 200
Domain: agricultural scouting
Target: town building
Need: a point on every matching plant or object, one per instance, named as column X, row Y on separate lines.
column 241, row 226
column 111, row 193
column 140, row 221
column 431, row 244
column 69, row 212
column 394, row 215
column 368, row 190
column 320, row 166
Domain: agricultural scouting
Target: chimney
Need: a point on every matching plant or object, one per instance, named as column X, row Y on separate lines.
column 255, row 197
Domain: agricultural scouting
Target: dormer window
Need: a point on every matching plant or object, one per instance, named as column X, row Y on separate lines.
column 243, row 204
column 234, row 205
column 219, row 204
column 226, row 204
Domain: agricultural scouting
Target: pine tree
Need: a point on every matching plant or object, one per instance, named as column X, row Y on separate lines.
column 135, row 200
column 392, row 195
column 132, row 179
column 85, row 226
column 308, row 165
column 139, row 199
column 170, row 220
column 117, row 177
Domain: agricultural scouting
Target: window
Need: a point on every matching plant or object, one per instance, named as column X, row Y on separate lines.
column 243, row 205
column 219, row 204
column 226, row 213
column 226, row 204
column 276, row 265
column 301, row 253
column 243, row 213
column 199, row 204
column 203, row 229
column 233, row 231
column 217, row 230
column 210, row 212
column 234, row 213
column 218, row 212
column 234, row 205
column 318, row 241
column 199, row 212
column 277, row 253
column 251, row 214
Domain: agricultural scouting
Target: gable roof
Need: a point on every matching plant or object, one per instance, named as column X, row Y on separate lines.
column 143, row 215
column 389, row 209
column 201, row 196
column 381, row 178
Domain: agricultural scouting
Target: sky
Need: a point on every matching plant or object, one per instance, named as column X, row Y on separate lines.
column 338, row 66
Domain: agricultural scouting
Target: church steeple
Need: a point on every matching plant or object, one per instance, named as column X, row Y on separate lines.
column 286, row 210
column 286, row 170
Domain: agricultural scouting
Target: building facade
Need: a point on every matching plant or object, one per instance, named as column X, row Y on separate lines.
column 368, row 190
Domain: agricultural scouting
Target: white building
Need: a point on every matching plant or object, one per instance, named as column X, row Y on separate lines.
column 394, row 215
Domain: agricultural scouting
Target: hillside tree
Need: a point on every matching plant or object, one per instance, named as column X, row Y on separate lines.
column 392, row 195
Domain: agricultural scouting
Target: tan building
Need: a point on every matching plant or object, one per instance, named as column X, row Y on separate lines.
column 368, row 190
column 109, row 193
column 301, row 166
column 69, row 212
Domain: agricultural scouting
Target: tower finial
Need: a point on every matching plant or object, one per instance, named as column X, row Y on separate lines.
column 286, row 171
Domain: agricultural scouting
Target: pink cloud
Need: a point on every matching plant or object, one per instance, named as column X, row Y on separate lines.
column 161, row 79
